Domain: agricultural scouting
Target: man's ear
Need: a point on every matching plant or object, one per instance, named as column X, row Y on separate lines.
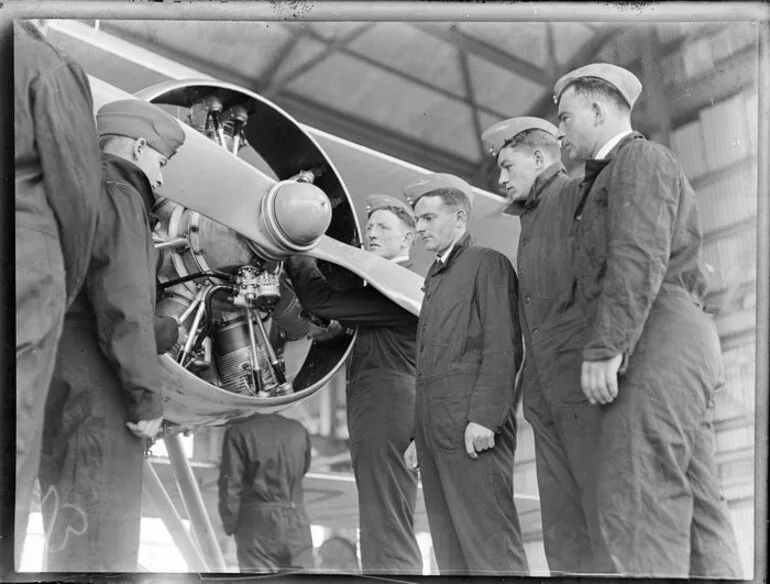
column 539, row 159
column 138, row 147
column 598, row 110
column 410, row 238
column 461, row 214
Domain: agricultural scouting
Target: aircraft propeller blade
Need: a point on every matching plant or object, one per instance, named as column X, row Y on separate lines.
column 402, row 286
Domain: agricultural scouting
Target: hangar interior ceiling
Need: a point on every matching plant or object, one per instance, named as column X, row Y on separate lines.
column 423, row 91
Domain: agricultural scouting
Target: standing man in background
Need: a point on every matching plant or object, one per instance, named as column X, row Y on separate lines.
column 380, row 391
column 105, row 399
column 261, row 497
column 651, row 355
column 565, row 425
column 58, row 189
column 468, row 353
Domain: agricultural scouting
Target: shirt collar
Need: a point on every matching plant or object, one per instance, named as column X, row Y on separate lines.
column 443, row 257
column 458, row 243
column 518, row 207
column 400, row 259
column 610, row 144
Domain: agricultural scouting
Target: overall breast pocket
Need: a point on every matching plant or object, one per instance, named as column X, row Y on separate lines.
column 449, row 321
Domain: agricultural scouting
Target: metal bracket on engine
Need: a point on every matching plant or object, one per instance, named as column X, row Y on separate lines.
column 257, row 288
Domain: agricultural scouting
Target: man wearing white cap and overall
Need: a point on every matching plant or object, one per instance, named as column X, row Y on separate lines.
column 543, row 197
column 104, row 401
column 380, row 389
column 651, row 355
column 468, row 352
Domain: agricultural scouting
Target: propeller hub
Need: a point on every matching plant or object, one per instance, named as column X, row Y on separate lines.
column 296, row 215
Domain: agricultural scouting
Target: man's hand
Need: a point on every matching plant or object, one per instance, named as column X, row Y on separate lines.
column 477, row 439
column 410, row 456
column 599, row 379
column 325, row 333
column 146, row 428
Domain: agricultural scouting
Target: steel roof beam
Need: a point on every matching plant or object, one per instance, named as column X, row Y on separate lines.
column 485, row 51
column 545, row 106
column 408, row 77
column 331, row 48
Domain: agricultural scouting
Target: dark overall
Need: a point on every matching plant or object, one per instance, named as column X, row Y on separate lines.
column 380, row 410
column 469, row 351
column 640, row 280
column 106, row 375
column 261, row 498
column 565, row 425
column 58, row 187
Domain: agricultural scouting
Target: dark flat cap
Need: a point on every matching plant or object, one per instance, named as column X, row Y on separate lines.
column 136, row 118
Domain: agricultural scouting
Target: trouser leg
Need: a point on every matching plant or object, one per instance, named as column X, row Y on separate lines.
column 479, row 498
column 300, row 543
column 379, row 418
column 658, row 489
column 446, row 544
column 566, row 534
column 645, row 500
column 40, row 306
column 714, row 548
column 92, row 473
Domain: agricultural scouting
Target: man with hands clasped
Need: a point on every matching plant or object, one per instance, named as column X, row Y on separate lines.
column 468, row 352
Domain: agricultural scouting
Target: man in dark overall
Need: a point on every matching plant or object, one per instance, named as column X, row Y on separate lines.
column 104, row 401
column 469, row 351
column 651, row 355
column 58, row 189
column 565, row 425
column 261, row 497
column 380, row 390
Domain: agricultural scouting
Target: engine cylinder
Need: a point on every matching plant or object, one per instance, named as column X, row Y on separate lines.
column 232, row 352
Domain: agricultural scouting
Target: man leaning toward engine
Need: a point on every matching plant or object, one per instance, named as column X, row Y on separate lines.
column 380, row 391
column 468, row 352
column 104, row 401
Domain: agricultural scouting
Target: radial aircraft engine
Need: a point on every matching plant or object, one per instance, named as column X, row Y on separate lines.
column 249, row 188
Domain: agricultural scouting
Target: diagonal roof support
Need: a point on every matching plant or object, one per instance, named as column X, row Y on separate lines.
column 544, row 107
column 285, row 51
column 485, row 51
column 274, row 88
column 463, row 57
column 408, row 77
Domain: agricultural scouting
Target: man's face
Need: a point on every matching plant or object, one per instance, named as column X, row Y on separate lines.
column 578, row 125
column 150, row 161
column 387, row 235
column 518, row 171
column 437, row 223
